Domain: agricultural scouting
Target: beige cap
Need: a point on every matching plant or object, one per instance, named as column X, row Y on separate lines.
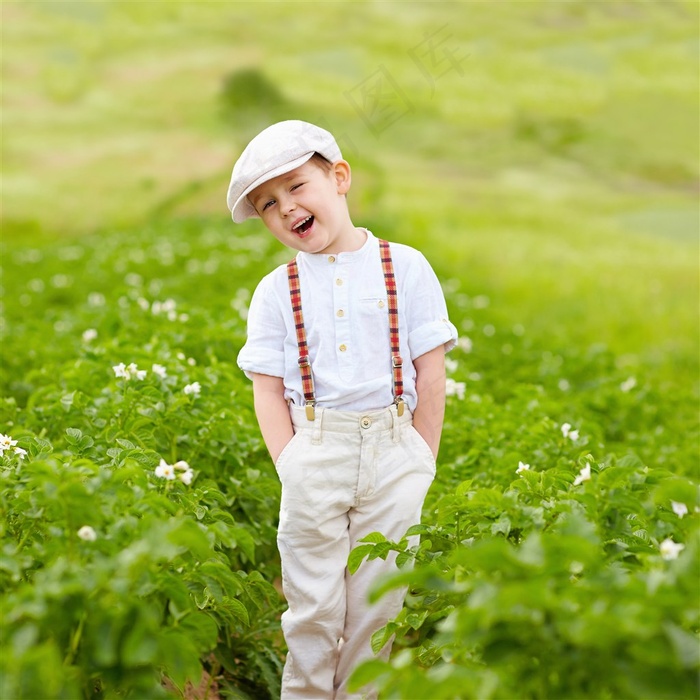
column 275, row 151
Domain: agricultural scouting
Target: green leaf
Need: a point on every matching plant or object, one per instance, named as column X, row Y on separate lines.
column 239, row 610
column 419, row 529
column 73, row 435
column 382, row 636
column 367, row 672
column 501, row 526
column 202, row 629
column 357, row 556
column 140, row 646
column 193, row 537
column 375, row 537
column 67, row 401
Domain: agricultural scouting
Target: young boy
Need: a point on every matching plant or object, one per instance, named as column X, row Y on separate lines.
column 345, row 349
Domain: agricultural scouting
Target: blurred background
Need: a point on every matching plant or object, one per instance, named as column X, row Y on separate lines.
column 544, row 154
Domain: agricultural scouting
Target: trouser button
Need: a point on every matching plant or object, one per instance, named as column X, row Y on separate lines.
column 365, row 422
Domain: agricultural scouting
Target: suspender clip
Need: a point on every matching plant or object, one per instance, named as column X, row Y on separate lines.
column 303, row 361
column 400, row 405
column 396, row 361
column 310, row 410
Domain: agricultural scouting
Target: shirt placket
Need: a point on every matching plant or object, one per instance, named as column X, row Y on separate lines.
column 341, row 316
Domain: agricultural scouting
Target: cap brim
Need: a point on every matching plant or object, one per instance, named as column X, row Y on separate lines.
column 243, row 209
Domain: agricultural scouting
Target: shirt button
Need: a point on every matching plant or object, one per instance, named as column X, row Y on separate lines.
column 343, row 348
column 365, row 422
column 331, row 258
column 381, row 304
column 339, row 281
column 340, row 313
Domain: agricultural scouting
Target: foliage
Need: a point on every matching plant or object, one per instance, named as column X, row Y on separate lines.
column 118, row 569
column 540, row 569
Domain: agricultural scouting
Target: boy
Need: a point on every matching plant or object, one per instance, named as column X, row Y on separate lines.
column 345, row 349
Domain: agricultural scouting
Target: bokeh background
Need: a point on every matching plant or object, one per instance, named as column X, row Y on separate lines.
column 545, row 151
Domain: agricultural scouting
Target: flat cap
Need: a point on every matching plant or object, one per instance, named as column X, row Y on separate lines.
column 275, row 151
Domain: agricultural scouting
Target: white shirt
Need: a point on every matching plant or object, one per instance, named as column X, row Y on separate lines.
column 344, row 303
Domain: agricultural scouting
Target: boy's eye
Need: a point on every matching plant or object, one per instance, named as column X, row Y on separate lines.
column 295, row 187
column 268, row 204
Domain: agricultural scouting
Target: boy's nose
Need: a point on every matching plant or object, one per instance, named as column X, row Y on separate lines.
column 287, row 205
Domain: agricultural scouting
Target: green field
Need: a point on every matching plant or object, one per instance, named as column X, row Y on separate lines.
column 543, row 155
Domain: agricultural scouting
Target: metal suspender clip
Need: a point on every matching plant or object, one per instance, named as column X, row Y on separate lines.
column 310, row 410
column 400, row 405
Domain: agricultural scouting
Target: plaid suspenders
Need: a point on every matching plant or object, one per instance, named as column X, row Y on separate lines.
column 392, row 303
column 307, row 381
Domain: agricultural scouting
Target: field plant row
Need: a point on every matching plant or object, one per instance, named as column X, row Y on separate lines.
column 558, row 556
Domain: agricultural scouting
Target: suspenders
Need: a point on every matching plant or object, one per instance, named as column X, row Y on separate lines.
column 307, row 380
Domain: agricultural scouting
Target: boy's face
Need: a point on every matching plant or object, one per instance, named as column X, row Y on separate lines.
column 305, row 208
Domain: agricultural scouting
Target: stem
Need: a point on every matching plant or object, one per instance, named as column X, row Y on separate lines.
column 75, row 640
column 26, row 535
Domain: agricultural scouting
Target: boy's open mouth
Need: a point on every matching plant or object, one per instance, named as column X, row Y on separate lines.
column 305, row 225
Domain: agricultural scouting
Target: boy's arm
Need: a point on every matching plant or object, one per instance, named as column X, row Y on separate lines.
column 272, row 412
column 430, row 388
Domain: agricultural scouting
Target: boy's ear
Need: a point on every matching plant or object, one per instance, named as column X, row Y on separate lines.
column 343, row 176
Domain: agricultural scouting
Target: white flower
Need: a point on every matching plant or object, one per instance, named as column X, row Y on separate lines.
column 165, row 470
column 143, row 303
column 583, row 475
column 680, row 509
column 453, row 388
column 186, row 477
column 127, row 372
column 89, row 335
column 191, row 361
column 168, row 307
column 465, row 344
column 566, row 431
column 575, row 568
column 628, row 384
column 194, row 389
column 96, row 299
column 134, row 371
column 159, row 370
column 6, row 442
column 87, row 533
column 120, row 370
column 522, row 468
column 450, row 364
column 670, row 549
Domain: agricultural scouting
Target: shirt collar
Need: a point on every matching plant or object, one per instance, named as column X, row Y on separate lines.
column 347, row 257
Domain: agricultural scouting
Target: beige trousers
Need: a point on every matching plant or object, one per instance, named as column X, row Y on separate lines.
column 344, row 475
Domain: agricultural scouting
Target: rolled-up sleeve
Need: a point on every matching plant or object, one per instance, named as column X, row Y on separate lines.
column 429, row 325
column 263, row 352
